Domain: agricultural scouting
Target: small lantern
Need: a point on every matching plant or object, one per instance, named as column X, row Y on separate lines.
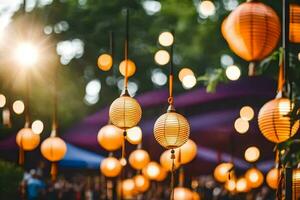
column 272, row 178
column 195, row 196
column 111, row 167
column 131, row 68
column 230, row 185
column 181, row 193
column 105, row 62
column 142, row 184
column 188, row 152
column 162, row 174
column 110, row 137
column 254, row 177
column 27, row 139
column 134, row 135
column 223, row 172
column 166, row 161
column 152, row 170
column 139, row 158
column 128, row 188
column 274, row 120
column 242, row 185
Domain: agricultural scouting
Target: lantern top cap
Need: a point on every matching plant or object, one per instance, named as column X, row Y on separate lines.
column 171, row 108
column 125, row 93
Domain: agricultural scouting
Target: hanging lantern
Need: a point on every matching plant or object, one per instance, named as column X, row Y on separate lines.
column 128, row 188
column 162, row 174
column 242, row 185
column 252, row 31
column 110, row 167
column 139, row 158
column 195, row 196
column 230, row 185
column 27, row 139
column 152, row 170
column 166, row 161
column 188, row 152
column 181, row 193
column 223, row 172
column 295, row 23
column 272, row 178
column 254, row 177
column 110, row 137
column 131, row 68
column 105, row 62
column 134, row 135
column 54, row 149
column 274, row 120
column 142, row 184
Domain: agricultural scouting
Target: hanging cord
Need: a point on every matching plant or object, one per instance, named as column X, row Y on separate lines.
column 126, row 48
column 123, row 146
column 111, row 44
column 172, row 175
column 285, row 42
column 171, row 77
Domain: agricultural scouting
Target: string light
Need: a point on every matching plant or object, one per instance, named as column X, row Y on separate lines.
column 247, row 113
column 241, row 126
column 207, row 8
column 162, row 57
column 37, row 126
column 166, row 39
column 26, row 54
column 189, row 81
column 2, row 100
column 233, row 72
column 18, row 107
column 252, row 154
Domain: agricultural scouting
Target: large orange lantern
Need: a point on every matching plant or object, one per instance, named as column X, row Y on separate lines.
column 110, row 167
column 54, row 149
column 252, row 30
column 274, row 120
column 166, row 161
column 27, row 139
column 181, row 193
column 142, row 183
column 139, row 159
column 188, row 152
column 110, row 137
column 272, row 178
column 295, row 23
column 254, row 177
column 223, row 171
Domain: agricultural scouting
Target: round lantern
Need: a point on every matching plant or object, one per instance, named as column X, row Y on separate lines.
column 128, row 188
column 222, row 172
column 252, row 30
column 131, row 68
column 254, row 177
column 295, row 23
column 274, row 122
column 181, row 193
column 27, row 139
column 125, row 112
column 171, row 130
column 54, row 149
column 142, row 184
column 152, row 170
column 139, row 158
column 273, row 178
column 105, row 62
column 230, row 185
column 195, row 196
column 110, row 137
column 110, row 167
column 134, row 135
column 162, row 174
column 166, row 161
column 242, row 185
column 188, row 151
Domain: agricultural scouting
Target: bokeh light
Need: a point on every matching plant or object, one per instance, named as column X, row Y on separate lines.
column 241, row 126
column 18, row 107
column 185, row 72
column 233, row 72
column 158, row 77
column 166, row 39
column 226, row 60
column 151, row 7
column 26, row 54
column 252, row 154
column 189, row 81
column 134, row 135
column 247, row 113
column 242, row 185
column 93, row 87
column 2, row 100
column 37, row 126
column 207, row 8
column 162, row 57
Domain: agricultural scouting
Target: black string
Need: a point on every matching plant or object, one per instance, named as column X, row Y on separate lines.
column 172, row 56
column 285, row 40
column 111, row 44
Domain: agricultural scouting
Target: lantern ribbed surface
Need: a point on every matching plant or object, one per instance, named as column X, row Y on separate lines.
column 296, row 184
column 27, row 139
column 171, row 130
column 252, row 30
column 274, row 122
column 54, row 149
column 125, row 112
column 295, row 23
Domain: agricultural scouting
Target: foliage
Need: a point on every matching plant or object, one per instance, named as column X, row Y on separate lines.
column 10, row 178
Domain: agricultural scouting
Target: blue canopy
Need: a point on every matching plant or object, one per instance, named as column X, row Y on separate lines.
column 80, row 158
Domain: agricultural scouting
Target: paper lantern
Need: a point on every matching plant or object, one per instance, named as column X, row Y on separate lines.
column 142, row 183
column 134, row 135
column 272, row 178
column 195, row 196
column 110, row 167
column 295, row 23
column 296, row 184
column 181, row 193
column 222, row 172
column 131, row 68
column 128, row 188
column 242, row 185
column 139, row 158
column 54, row 149
column 171, row 130
column 230, row 185
column 254, row 177
column 274, row 122
column 125, row 112
column 188, row 152
column 166, row 161
column 27, row 139
column 162, row 174
column 252, row 30
column 110, row 137
column 152, row 170
column 105, row 62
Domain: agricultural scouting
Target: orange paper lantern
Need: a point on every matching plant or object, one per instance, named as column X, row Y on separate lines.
column 166, row 161
column 105, row 62
column 252, row 30
column 27, row 139
column 274, row 122
column 131, row 68
column 295, row 23
column 162, row 174
column 152, row 170
column 142, row 184
column 110, row 137
column 222, row 172
column 139, row 158
column 54, row 149
column 110, row 167
column 254, row 177
column 181, row 193
column 128, row 188
column 188, row 151
column 272, row 178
